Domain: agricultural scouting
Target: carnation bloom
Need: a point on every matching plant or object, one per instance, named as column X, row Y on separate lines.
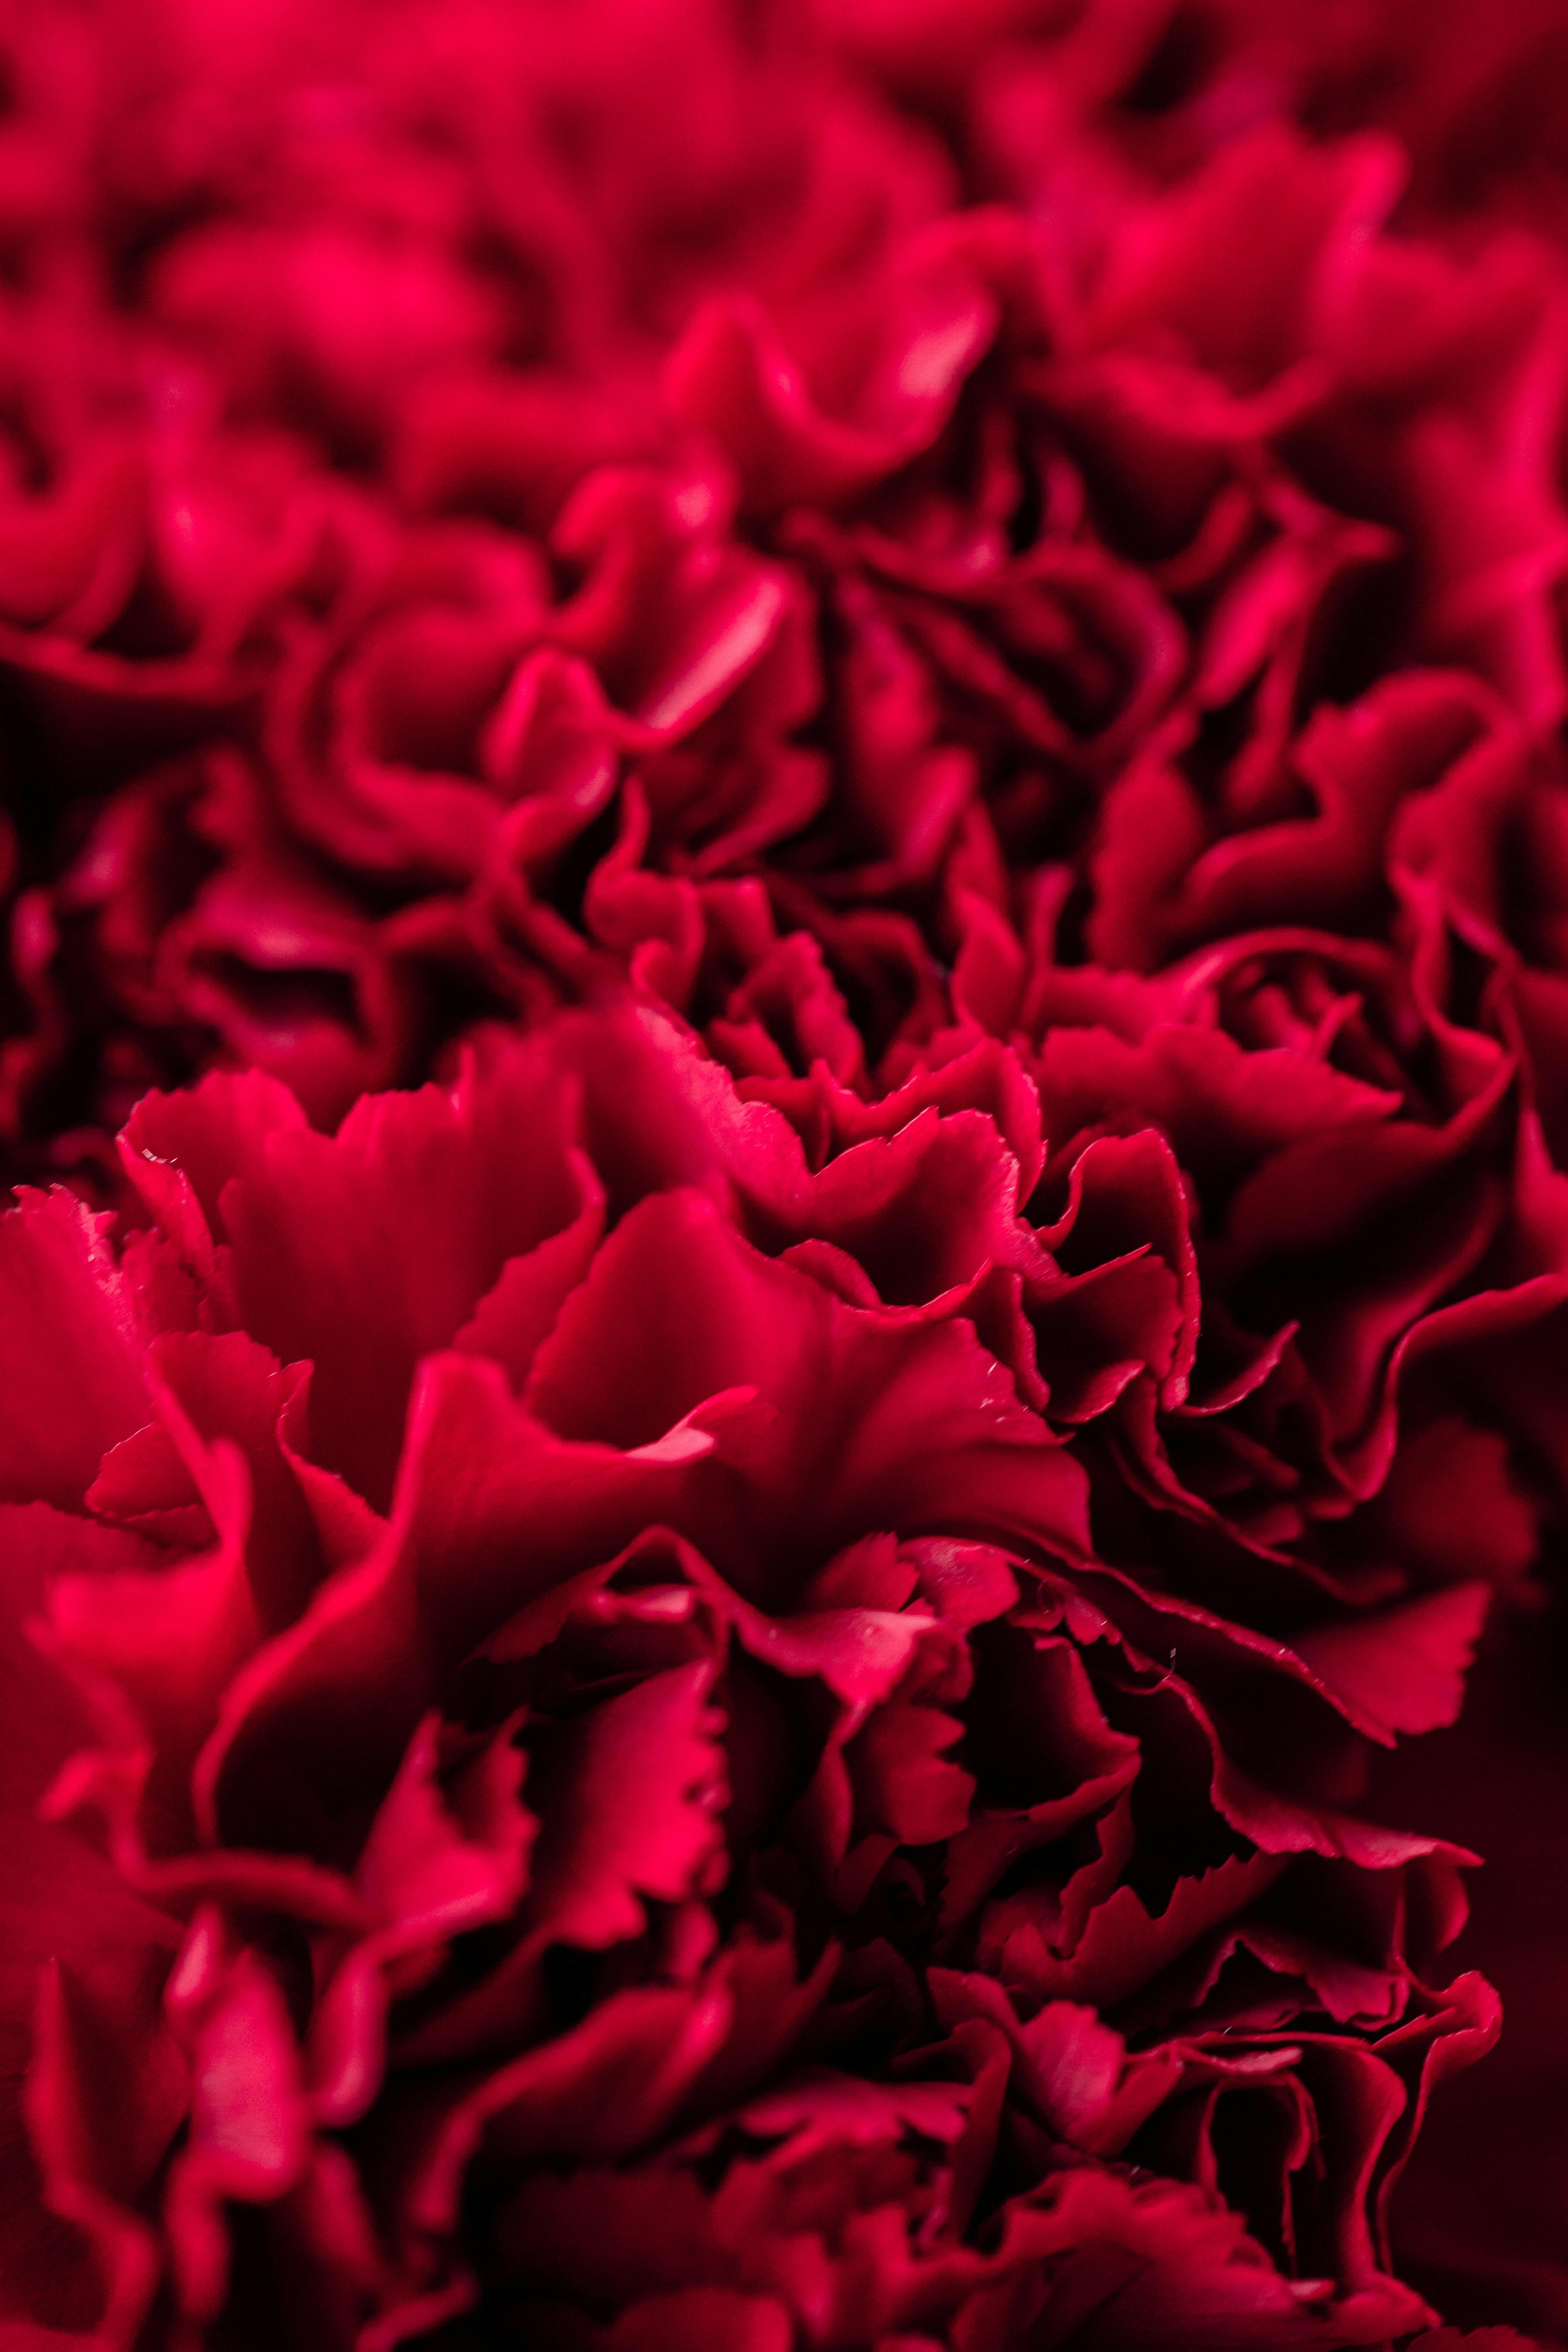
column 565, row 1606
column 1061, row 519
column 782, row 849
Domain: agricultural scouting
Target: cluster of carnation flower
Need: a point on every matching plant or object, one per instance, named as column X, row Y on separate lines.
column 783, row 1051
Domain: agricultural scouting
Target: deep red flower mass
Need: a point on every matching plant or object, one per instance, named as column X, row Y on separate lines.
column 784, row 1071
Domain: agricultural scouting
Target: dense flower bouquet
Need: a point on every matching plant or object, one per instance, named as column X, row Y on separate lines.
column 784, row 1065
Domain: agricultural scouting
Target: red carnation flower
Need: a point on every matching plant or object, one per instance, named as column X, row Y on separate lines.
column 566, row 1599
column 733, row 1676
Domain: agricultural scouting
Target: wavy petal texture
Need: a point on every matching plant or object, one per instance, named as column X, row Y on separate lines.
column 783, row 1115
